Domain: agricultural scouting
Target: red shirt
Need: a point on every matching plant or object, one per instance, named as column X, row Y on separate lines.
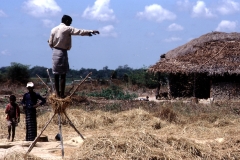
column 12, row 111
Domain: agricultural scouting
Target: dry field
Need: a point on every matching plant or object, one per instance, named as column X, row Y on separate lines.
column 139, row 130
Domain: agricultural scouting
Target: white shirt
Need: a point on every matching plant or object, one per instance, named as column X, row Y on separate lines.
column 61, row 36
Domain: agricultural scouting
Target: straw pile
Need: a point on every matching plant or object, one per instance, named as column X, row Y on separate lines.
column 201, row 132
column 59, row 105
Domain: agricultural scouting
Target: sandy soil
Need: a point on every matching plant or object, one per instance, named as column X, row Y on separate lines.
column 44, row 150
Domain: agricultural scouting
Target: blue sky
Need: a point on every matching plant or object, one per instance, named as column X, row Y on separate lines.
column 132, row 32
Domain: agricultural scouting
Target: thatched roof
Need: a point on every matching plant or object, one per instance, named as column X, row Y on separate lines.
column 212, row 53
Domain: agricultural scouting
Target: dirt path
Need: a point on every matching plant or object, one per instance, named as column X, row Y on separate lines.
column 44, row 150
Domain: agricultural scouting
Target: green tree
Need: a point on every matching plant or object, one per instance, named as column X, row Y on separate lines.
column 114, row 74
column 142, row 78
column 137, row 77
column 1, row 77
column 3, row 71
column 83, row 72
column 18, row 73
column 41, row 71
column 123, row 71
column 104, row 73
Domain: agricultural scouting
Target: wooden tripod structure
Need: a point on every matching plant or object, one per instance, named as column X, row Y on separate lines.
column 58, row 111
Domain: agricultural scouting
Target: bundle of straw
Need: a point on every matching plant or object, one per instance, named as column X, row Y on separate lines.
column 59, row 105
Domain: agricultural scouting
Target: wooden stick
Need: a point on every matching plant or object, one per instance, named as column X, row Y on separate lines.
column 50, row 81
column 60, row 132
column 71, row 124
column 44, row 83
column 81, row 83
column 35, row 141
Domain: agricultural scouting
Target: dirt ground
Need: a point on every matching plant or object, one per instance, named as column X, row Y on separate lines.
column 44, row 150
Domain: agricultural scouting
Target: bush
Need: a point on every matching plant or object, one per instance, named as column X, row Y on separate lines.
column 18, row 73
column 113, row 92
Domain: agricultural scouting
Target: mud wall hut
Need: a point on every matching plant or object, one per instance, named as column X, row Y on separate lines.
column 205, row 67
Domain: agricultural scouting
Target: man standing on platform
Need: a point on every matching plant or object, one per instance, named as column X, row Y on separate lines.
column 60, row 42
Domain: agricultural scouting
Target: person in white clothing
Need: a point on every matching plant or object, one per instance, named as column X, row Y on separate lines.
column 60, row 42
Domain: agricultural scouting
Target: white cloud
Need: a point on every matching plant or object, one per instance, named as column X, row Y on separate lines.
column 99, row 11
column 5, row 52
column 2, row 14
column 173, row 39
column 225, row 25
column 108, row 31
column 48, row 23
column 41, row 8
column 174, row 27
column 184, row 4
column 200, row 10
column 156, row 13
column 228, row 7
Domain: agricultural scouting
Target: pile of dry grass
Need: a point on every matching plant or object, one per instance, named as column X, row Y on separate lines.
column 130, row 145
column 59, row 105
column 198, row 132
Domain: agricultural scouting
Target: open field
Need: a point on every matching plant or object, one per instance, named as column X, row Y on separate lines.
column 131, row 129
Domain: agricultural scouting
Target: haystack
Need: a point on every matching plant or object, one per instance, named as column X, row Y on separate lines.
column 59, row 105
column 205, row 67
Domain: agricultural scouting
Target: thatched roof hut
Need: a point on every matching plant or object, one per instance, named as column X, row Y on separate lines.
column 208, row 66
column 212, row 53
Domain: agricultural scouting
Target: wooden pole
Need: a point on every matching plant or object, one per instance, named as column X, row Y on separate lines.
column 71, row 124
column 50, row 81
column 35, row 141
column 81, row 83
column 60, row 132
column 49, row 89
column 194, row 85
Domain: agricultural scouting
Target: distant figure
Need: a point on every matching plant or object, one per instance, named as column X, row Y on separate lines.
column 144, row 99
column 60, row 41
column 30, row 103
column 13, row 116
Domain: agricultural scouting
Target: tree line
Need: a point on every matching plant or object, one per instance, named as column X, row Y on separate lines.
column 20, row 73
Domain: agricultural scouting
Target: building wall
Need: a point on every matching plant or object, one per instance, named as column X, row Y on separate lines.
column 225, row 91
column 182, row 85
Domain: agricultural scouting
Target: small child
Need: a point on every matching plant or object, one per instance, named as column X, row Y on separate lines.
column 13, row 116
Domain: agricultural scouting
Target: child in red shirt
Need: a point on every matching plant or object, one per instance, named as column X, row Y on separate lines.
column 13, row 116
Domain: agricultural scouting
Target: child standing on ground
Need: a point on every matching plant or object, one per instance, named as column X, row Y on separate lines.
column 13, row 116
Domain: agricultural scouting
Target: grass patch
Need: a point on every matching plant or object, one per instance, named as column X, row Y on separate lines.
column 112, row 92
